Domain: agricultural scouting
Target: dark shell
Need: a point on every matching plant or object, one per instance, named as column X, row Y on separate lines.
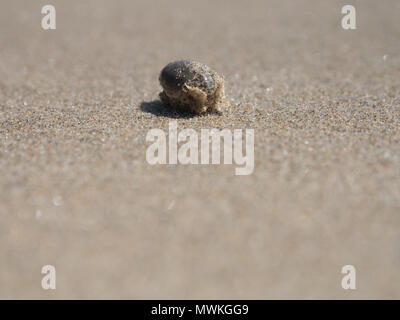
column 178, row 73
column 191, row 86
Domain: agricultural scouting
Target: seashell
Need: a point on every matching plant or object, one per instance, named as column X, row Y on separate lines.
column 193, row 87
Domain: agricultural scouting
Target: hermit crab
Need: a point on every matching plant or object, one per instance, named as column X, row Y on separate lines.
column 193, row 87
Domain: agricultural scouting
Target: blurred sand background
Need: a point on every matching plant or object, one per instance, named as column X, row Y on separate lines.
column 76, row 191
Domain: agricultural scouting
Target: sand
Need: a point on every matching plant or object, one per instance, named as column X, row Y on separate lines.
column 77, row 192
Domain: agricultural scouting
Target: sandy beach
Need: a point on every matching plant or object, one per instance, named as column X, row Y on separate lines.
column 76, row 191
